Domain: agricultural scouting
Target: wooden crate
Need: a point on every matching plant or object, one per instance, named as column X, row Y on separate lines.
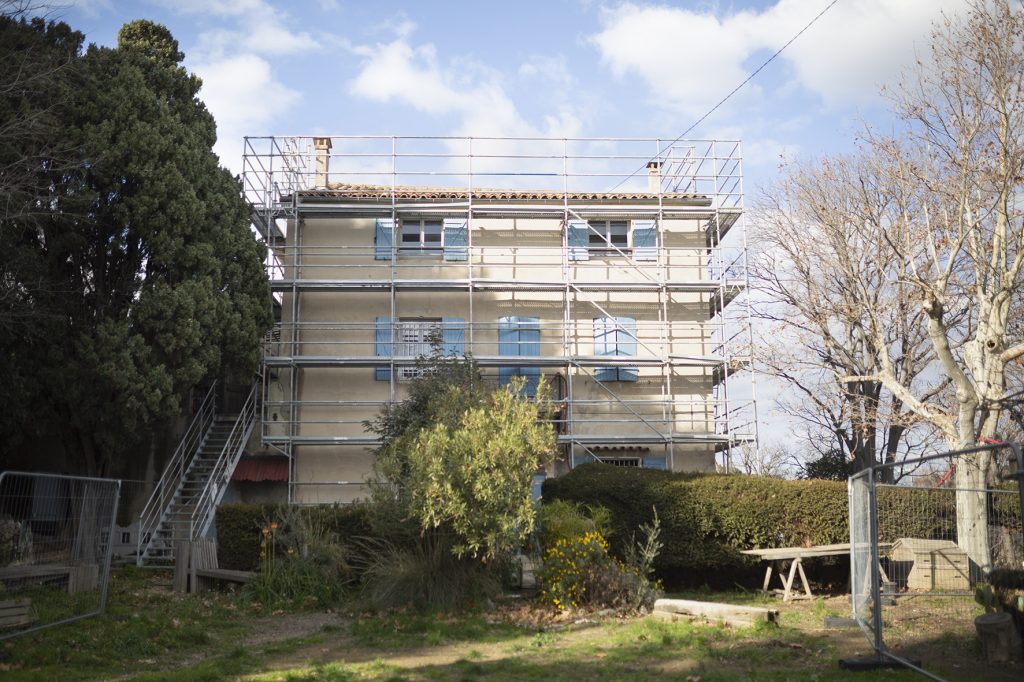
column 935, row 565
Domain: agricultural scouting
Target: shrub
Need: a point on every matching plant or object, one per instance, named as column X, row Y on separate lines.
column 708, row 518
column 563, row 520
column 425, row 575
column 302, row 561
column 579, row 571
column 239, row 528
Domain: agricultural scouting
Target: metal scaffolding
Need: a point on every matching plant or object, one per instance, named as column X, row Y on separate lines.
column 292, row 180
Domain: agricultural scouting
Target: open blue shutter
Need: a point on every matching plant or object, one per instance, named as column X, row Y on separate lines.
column 654, row 463
column 625, row 344
column 529, row 345
column 382, row 239
column 456, row 239
column 604, row 344
column 508, row 344
column 383, row 347
column 578, row 239
column 453, row 336
column 645, row 240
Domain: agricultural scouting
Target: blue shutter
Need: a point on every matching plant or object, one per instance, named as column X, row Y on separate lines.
column 382, row 239
column 645, row 240
column 625, row 344
column 654, row 463
column 453, row 336
column 604, row 344
column 578, row 239
column 508, row 344
column 456, row 239
column 383, row 347
column 536, row 486
column 529, row 345
column 519, row 336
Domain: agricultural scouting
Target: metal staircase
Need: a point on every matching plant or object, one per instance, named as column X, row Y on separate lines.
column 183, row 503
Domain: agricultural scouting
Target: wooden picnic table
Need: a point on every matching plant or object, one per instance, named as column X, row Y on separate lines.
column 777, row 556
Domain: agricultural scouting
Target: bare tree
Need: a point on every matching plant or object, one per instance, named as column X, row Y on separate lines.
column 821, row 262
column 776, row 459
column 950, row 246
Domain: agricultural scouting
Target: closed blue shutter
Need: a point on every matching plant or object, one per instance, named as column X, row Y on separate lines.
column 626, row 345
column 519, row 336
column 604, row 344
column 529, row 345
column 453, row 336
column 536, row 486
column 508, row 344
column 645, row 240
column 654, row 463
column 382, row 239
column 578, row 239
column 456, row 239
column 383, row 347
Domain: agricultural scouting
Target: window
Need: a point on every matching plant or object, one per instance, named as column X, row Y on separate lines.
column 410, row 338
column 615, row 336
column 608, row 237
column 519, row 336
column 414, row 341
column 631, row 462
column 423, row 237
column 611, row 238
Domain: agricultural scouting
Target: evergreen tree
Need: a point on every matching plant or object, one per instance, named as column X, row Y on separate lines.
column 153, row 278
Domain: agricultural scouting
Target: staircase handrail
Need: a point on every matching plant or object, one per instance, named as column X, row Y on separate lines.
column 155, row 509
column 217, row 483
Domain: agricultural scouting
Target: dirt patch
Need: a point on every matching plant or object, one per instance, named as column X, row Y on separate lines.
column 282, row 627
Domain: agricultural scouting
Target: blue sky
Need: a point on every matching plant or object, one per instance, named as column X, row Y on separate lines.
column 562, row 68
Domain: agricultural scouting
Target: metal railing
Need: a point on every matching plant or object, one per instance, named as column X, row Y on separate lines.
column 220, row 475
column 275, row 167
column 155, row 510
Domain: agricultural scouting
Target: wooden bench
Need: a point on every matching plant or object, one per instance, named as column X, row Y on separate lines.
column 80, row 577
column 196, row 569
column 795, row 556
column 15, row 613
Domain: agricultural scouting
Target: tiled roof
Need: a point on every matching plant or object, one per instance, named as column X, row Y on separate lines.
column 257, row 469
column 405, row 192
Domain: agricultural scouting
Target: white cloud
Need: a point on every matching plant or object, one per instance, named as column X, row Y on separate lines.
column 553, row 69
column 690, row 59
column 415, row 76
column 244, row 98
column 253, row 26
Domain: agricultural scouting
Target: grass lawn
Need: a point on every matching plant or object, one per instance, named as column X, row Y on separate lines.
column 148, row 633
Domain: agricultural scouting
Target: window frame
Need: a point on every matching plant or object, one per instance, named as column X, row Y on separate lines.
column 601, row 228
column 421, row 248
column 424, row 326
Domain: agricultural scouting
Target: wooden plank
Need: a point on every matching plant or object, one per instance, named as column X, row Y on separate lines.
column 226, row 574
column 33, row 571
column 15, row 612
column 181, row 565
column 716, row 612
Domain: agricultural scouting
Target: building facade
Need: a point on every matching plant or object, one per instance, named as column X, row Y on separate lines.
column 517, row 252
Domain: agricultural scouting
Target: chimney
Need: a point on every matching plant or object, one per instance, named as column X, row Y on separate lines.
column 654, row 177
column 323, row 159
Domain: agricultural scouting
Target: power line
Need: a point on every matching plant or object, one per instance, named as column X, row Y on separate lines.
column 735, row 90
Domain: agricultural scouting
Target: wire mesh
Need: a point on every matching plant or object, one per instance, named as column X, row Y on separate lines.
column 924, row 534
column 55, row 547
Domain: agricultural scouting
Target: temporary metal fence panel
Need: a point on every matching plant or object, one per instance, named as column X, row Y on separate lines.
column 924, row 533
column 55, row 547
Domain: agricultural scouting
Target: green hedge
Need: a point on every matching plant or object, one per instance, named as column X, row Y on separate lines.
column 239, row 527
column 708, row 518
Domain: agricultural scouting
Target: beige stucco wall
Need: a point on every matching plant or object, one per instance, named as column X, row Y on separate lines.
column 523, row 250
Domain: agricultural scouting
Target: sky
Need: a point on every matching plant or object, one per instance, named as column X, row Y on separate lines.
column 560, row 68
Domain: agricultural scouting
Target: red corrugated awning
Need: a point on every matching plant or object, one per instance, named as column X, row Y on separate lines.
column 259, row 469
